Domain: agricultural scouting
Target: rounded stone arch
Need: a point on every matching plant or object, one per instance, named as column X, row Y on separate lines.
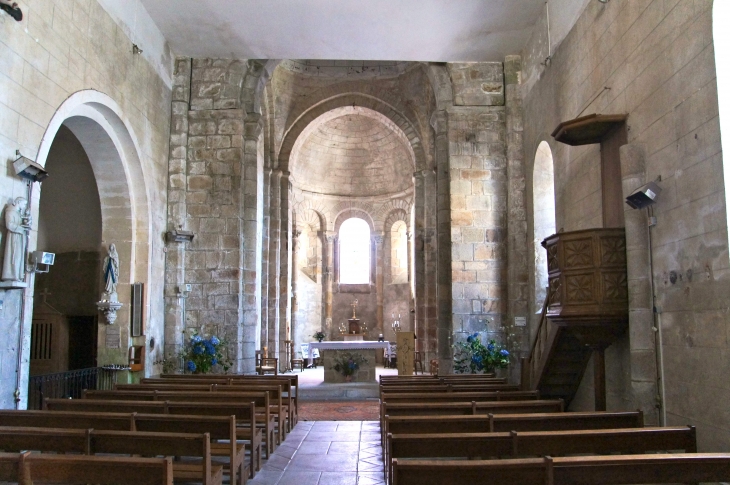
column 396, row 215
column 349, row 213
column 349, row 99
column 387, row 210
column 543, row 216
column 310, row 217
column 113, row 150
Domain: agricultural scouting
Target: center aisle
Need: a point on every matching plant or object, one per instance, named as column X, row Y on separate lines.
column 326, row 453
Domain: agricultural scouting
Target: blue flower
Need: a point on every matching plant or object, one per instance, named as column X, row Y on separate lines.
column 214, row 362
column 209, row 347
column 191, row 366
column 197, row 349
column 490, row 347
column 504, row 352
column 196, row 338
column 470, row 339
column 214, row 340
column 476, row 358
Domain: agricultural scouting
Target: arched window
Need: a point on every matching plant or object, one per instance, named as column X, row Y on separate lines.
column 543, row 191
column 354, row 238
column 399, row 253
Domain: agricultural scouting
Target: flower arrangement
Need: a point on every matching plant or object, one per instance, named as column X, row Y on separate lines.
column 201, row 354
column 347, row 363
column 319, row 335
column 473, row 357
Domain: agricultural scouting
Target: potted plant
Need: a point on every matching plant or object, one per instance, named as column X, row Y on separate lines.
column 473, row 357
column 319, row 336
column 202, row 355
column 347, row 364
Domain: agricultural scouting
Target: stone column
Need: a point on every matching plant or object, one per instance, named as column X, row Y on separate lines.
column 379, row 282
column 517, row 247
column 439, row 121
column 416, row 248
column 642, row 345
column 265, row 241
column 430, row 251
column 274, row 255
column 176, row 209
column 294, row 279
column 250, row 282
column 285, row 269
column 329, row 279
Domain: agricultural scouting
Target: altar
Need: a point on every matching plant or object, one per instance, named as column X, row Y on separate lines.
column 332, row 350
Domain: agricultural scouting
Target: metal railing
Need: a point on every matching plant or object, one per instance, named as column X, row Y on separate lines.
column 68, row 384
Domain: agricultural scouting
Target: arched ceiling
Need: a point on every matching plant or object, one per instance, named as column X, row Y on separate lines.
column 352, row 151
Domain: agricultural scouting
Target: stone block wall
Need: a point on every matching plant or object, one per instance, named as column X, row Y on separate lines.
column 61, row 48
column 478, row 158
column 654, row 61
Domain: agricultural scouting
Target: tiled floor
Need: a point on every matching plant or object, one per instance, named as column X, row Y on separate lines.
column 326, row 453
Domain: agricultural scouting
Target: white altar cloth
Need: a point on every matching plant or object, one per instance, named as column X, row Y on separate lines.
column 351, row 345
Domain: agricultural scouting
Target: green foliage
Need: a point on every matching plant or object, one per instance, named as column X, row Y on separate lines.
column 347, row 363
column 319, row 335
column 473, row 357
column 201, row 355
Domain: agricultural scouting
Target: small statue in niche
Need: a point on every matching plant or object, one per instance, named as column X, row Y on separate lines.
column 110, row 272
column 17, row 222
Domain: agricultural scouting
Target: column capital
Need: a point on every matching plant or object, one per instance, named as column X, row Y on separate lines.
column 439, row 121
column 420, row 174
column 330, row 236
column 253, row 124
column 378, row 238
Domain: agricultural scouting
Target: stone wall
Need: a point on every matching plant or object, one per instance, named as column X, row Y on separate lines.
column 653, row 60
column 59, row 49
column 479, row 182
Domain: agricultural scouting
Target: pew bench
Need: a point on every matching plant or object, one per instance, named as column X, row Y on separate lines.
column 588, row 470
column 26, row 468
column 94, row 442
column 539, row 443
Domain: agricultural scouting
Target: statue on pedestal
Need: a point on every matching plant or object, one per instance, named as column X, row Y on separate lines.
column 110, row 271
column 17, row 222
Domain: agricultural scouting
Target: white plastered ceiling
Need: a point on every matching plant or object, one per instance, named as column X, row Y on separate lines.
column 407, row 30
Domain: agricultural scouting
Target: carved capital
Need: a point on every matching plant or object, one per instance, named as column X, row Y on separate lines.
column 331, row 236
column 378, row 238
column 439, row 121
column 253, row 124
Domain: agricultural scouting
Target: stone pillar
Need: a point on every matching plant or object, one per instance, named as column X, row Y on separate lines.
column 285, row 269
column 251, row 240
column 176, row 209
column 265, row 241
column 274, row 255
column 329, row 279
column 294, row 279
column 439, row 121
column 642, row 345
column 416, row 248
column 379, row 283
column 517, row 247
column 430, row 251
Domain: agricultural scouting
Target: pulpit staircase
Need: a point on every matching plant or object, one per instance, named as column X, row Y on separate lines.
column 585, row 310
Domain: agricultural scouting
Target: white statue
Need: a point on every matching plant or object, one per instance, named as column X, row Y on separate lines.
column 17, row 221
column 110, row 272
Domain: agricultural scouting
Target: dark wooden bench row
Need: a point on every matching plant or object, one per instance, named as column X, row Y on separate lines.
column 96, row 442
column 539, row 443
column 587, row 470
column 27, row 468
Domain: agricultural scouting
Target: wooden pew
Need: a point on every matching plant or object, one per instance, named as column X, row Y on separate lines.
column 26, row 468
column 593, row 470
column 221, row 428
column 465, row 408
column 434, row 397
column 245, row 415
column 92, row 442
column 292, row 379
column 539, row 443
column 261, row 399
column 278, row 390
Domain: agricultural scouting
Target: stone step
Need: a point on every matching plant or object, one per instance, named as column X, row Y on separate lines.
column 353, row 391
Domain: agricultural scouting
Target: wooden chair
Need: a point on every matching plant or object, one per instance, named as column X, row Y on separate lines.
column 417, row 362
column 296, row 362
column 266, row 364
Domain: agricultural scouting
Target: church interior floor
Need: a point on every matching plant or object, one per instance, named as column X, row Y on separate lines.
column 326, row 453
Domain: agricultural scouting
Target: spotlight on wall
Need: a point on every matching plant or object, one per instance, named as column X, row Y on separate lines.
column 28, row 169
column 603, row 1
column 136, row 49
column 644, row 196
column 179, row 236
column 40, row 261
